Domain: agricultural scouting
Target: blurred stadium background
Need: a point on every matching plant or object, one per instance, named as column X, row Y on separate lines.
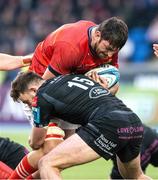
column 25, row 22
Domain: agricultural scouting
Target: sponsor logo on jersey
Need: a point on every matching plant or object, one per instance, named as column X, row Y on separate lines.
column 105, row 144
column 36, row 114
column 97, row 92
column 130, row 132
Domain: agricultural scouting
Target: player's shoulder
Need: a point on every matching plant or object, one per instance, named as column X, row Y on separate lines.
column 71, row 35
column 85, row 22
column 78, row 24
column 5, row 142
column 50, row 83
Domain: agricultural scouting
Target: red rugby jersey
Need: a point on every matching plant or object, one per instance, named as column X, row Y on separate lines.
column 66, row 50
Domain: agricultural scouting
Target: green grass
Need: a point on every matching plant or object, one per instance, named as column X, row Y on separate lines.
column 124, row 88
column 99, row 169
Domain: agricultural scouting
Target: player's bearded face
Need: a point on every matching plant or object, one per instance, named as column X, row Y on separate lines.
column 103, row 49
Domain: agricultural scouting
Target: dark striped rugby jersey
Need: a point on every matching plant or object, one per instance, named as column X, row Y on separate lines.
column 73, row 98
column 11, row 152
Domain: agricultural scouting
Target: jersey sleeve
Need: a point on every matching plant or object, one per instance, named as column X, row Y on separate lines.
column 64, row 60
column 42, row 112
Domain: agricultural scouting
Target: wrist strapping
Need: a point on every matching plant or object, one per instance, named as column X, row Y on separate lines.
column 54, row 132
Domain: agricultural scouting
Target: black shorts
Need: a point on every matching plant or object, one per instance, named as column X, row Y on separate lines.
column 114, row 133
column 149, row 152
column 14, row 159
column 11, row 153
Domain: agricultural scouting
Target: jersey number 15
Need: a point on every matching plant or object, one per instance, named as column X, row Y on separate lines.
column 82, row 83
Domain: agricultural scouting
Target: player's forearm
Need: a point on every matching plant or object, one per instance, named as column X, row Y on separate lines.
column 9, row 62
column 37, row 137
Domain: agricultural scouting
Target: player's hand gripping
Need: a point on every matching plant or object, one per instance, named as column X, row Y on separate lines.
column 102, row 81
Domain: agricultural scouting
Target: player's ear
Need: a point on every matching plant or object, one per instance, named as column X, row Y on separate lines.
column 97, row 34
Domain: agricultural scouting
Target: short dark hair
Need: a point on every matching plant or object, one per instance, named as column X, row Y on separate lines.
column 115, row 31
column 21, row 82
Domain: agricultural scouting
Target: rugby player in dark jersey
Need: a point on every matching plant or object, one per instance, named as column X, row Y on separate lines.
column 105, row 122
column 11, row 154
column 149, row 152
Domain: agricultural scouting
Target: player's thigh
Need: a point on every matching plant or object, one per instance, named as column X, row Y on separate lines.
column 72, row 151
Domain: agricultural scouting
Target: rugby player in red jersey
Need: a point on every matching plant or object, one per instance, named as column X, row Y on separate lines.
column 76, row 48
column 79, row 47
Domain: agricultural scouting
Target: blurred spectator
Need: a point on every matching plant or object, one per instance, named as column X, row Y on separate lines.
column 127, row 51
column 26, row 22
column 142, row 48
column 152, row 31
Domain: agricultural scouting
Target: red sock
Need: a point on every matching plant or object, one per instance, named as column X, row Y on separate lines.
column 23, row 170
column 29, row 177
column 5, row 171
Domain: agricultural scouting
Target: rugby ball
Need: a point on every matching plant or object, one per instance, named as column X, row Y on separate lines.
column 111, row 73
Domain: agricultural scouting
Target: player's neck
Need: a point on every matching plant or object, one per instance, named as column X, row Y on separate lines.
column 41, row 82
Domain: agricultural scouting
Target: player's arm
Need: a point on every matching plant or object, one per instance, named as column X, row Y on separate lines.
column 9, row 62
column 46, row 137
column 155, row 48
column 64, row 60
column 42, row 111
column 37, row 137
